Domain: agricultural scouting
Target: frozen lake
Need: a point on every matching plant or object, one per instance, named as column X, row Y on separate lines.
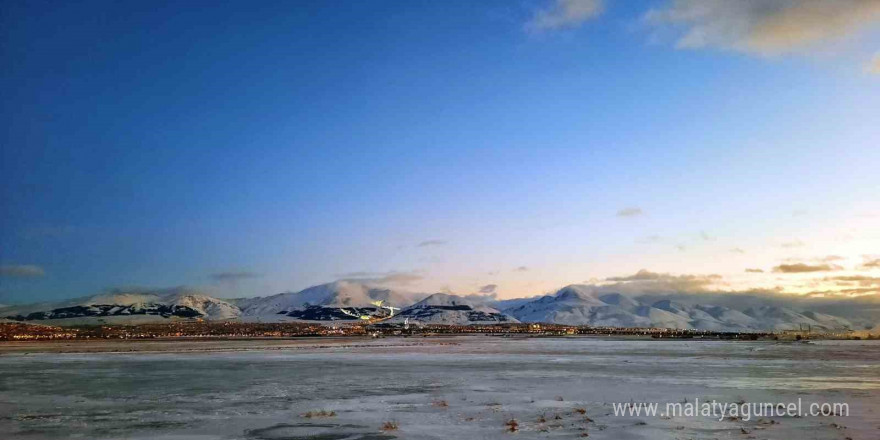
column 465, row 387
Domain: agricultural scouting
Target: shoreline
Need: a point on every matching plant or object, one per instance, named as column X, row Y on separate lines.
column 220, row 345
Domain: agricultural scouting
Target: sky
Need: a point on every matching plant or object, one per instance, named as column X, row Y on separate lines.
column 508, row 148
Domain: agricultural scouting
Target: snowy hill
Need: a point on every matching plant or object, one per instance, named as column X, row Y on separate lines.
column 582, row 305
column 781, row 318
column 158, row 305
column 572, row 304
column 209, row 307
column 504, row 304
column 337, row 295
column 341, row 300
column 442, row 308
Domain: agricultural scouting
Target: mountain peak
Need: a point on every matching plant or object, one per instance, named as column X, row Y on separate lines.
column 445, row 308
column 444, row 299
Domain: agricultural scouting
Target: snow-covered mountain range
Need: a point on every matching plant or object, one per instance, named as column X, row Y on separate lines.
column 353, row 301
column 181, row 303
column 581, row 305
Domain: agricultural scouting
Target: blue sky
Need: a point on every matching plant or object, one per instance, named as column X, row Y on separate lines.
column 252, row 148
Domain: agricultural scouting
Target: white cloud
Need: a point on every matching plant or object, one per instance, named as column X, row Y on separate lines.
column 649, row 239
column 829, row 258
column 873, row 66
column 630, row 212
column 792, row 244
column 805, row 268
column 21, row 271
column 392, row 278
column 564, row 14
column 860, row 280
column 767, row 27
column 488, row 288
column 871, row 263
column 233, row 276
column 646, row 281
column 427, row 243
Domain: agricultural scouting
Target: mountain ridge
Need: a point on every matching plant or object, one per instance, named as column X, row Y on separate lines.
column 583, row 305
column 445, row 308
column 574, row 304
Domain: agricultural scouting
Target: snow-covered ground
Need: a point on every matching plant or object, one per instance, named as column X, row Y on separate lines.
column 432, row 388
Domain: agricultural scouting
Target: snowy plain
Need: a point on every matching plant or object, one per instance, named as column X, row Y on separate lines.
column 467, row 387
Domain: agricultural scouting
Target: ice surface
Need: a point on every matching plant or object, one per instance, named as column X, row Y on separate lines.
column 435, row 388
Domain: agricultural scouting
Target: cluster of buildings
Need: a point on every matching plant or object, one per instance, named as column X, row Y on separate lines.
column 26, row 332
column 15, row 331
column 541, row 329
column 179, row 329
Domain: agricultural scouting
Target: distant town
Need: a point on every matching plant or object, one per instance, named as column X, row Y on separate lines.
column 15, row 331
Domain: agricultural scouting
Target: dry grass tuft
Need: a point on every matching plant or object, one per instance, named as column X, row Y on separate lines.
column 321, row 413
column 512, row 425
